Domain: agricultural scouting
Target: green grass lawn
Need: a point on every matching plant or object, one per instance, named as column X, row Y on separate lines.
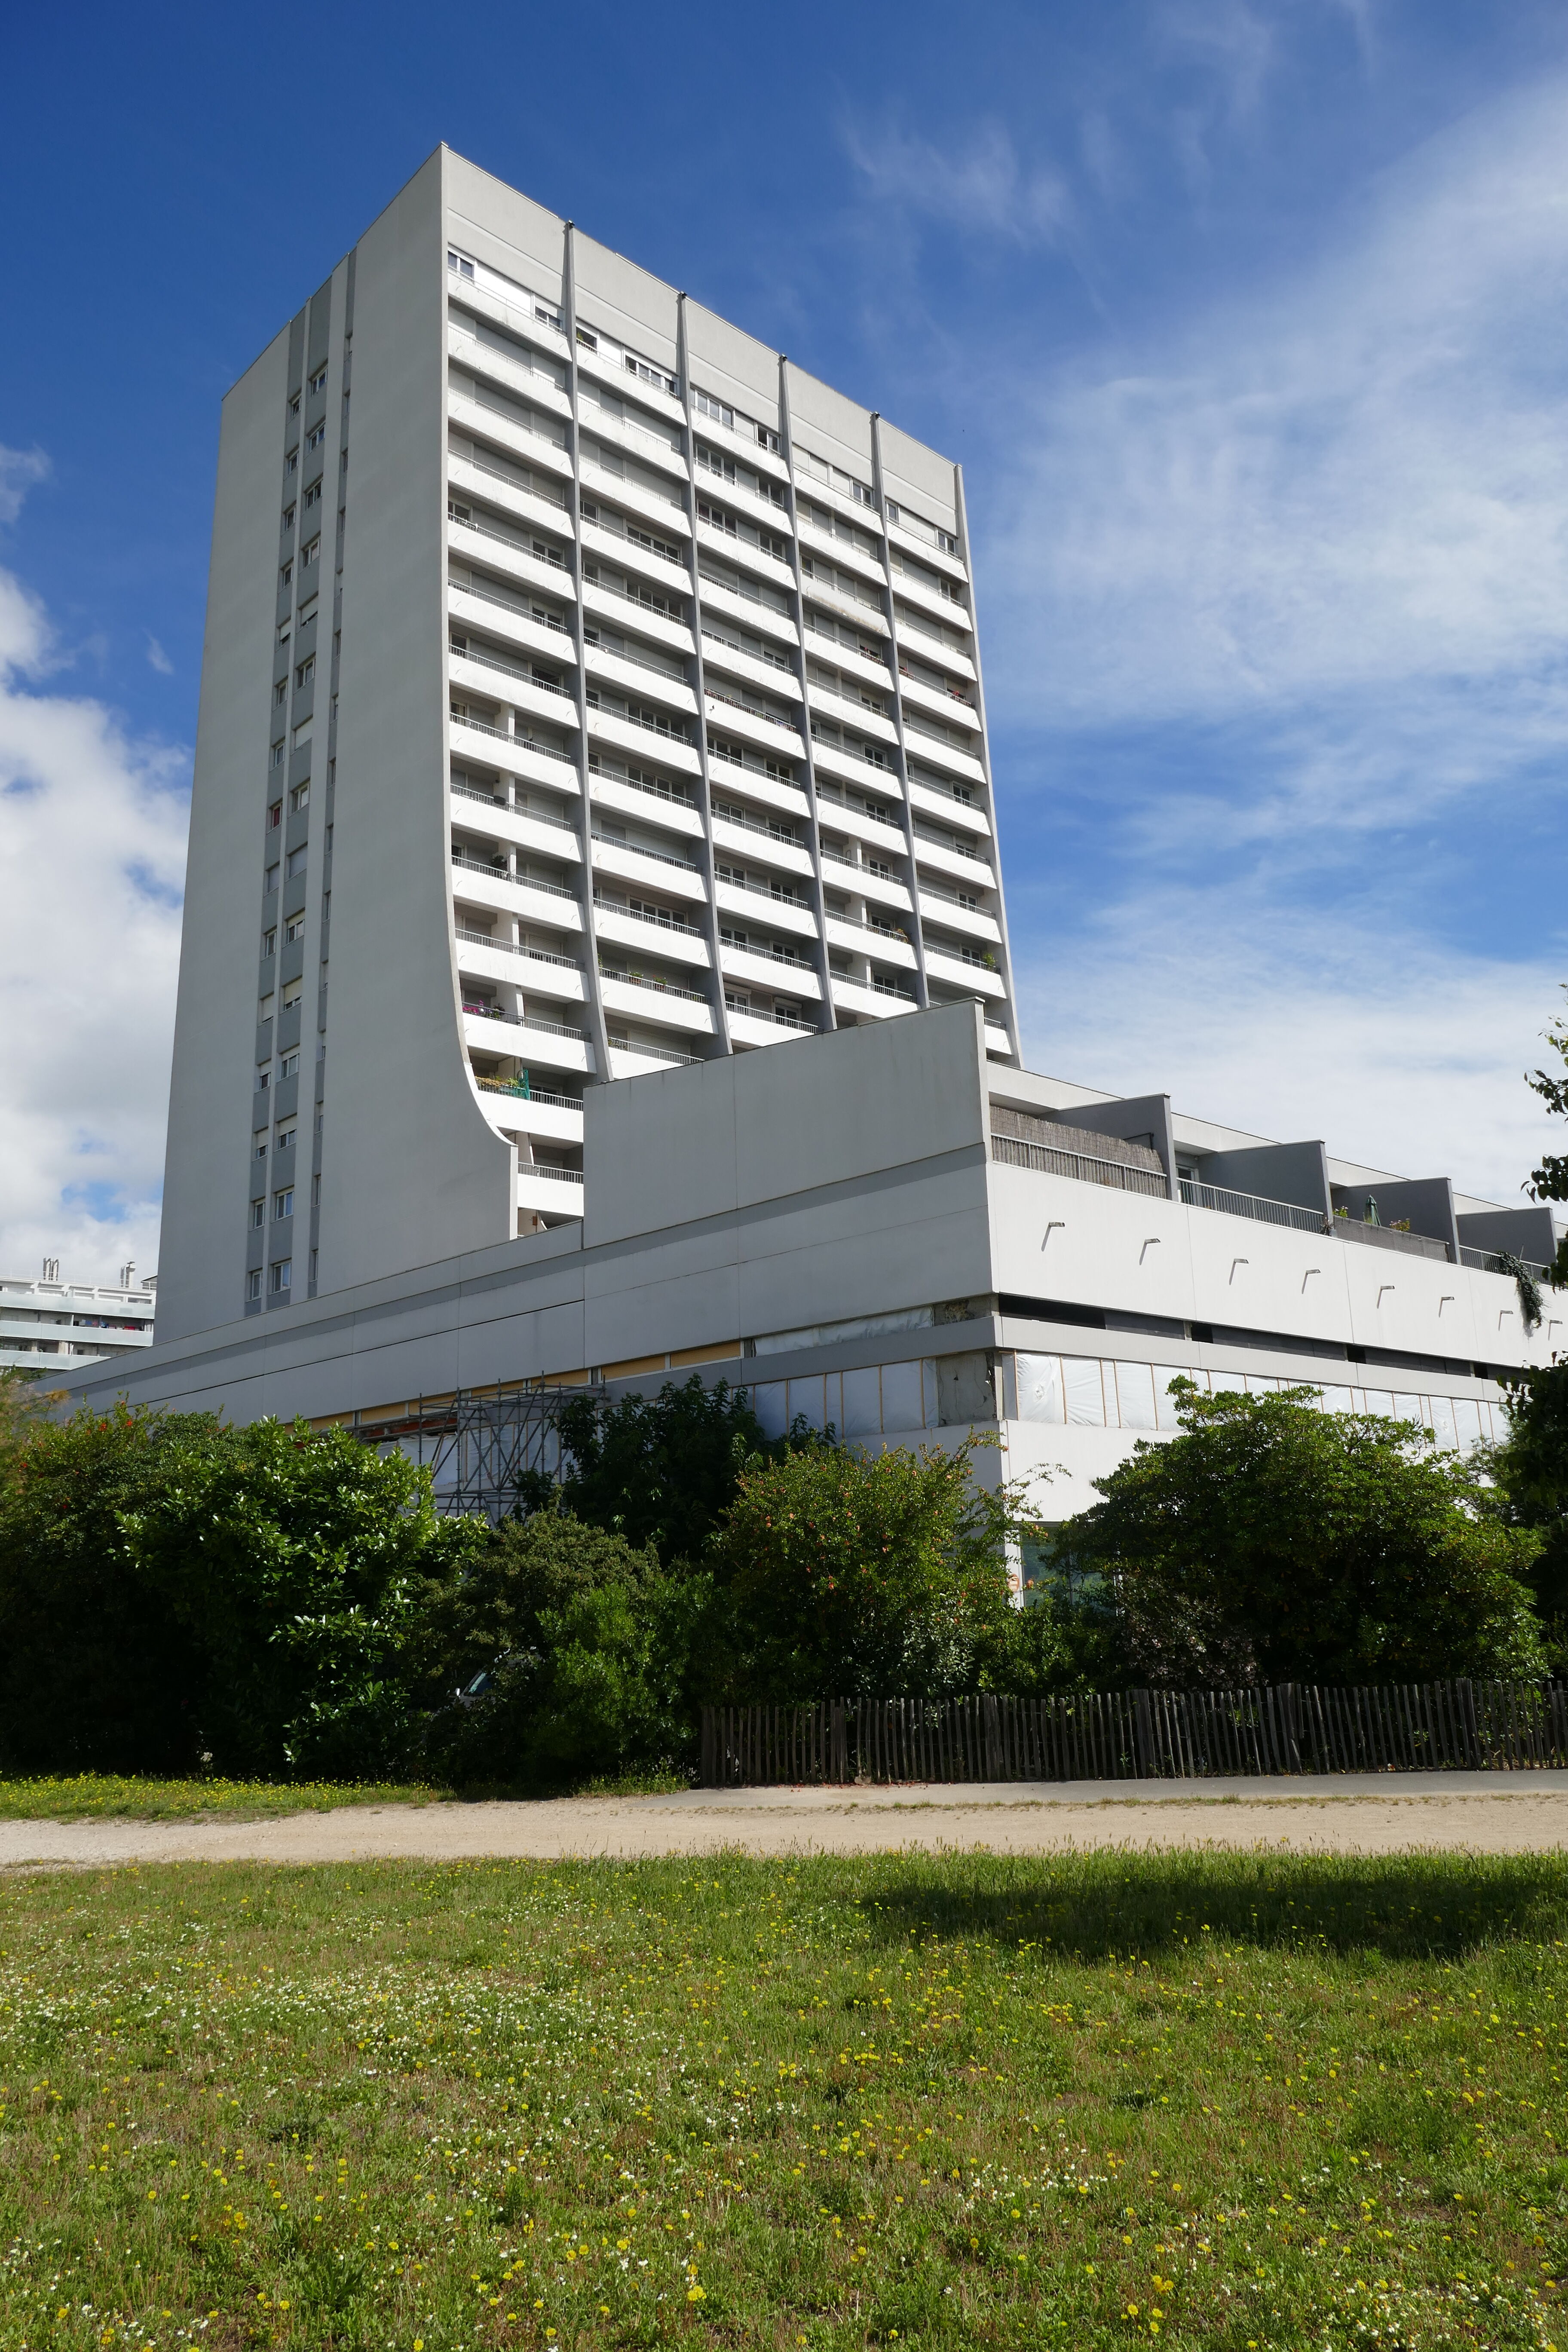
column 1227, row 2101
column 102, row 1796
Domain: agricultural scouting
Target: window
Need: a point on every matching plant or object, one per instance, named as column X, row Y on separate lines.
column 300, row 797
column 258, row 1210
column 767, row 439
column 283, row 1202
column 285, row 631
column 293, row 929
column 771, row 545
column 312, row 497
column 309, row 554
column 706, row 406
column 307, row 669
column 714, row 463
column 317, row 435
column 291, row 462
column 314, row 1256
column 319, row 381
column 288, row 1067
column 288, row 517
column 280, row 691
column 297, row 860
column 270, row 943
column 292, row 995
column 287, row 1130
column 262, row 1078
column 590, row 342
column 282, row 1273
column 458, row 513
column 262, row 1147
column 288, row 574
column 461, row 264
column 275, row 815
column 270, row 881
column 293, row 403
column 277, row 755
column 253, row 1282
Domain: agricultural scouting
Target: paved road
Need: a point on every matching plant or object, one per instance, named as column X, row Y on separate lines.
column 1484, row 1812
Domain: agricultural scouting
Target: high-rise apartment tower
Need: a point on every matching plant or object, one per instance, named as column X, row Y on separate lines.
column 586, row 691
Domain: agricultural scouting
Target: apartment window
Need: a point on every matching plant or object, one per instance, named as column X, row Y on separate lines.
column 461, row 264
column 317, row 435
column 288, row 517
column 262, row 1147
column 288, row 1067
column 458, row 513
column 293, row 929
column 285, row 631
column 293, row 403
column 280, row 691
column 286, row 1130
column 312, row 497
column 291, row 462
column 300, row 797
column 270, row 943
column 292, row 995
column 270, row 882
column 314, row 1256
column 771, row 545
column 713, row 463
column 307, row 669
column 308, row 555
column 318, row 381
column 253, row 1282
column 282, row 1273
column 262, row 1079
column 706, row 406
column 275, row 817
column 297, row 860
column 590, row 342
column 288, row 574
column 258, row 1210
column 283, row 1202
column 767, row 439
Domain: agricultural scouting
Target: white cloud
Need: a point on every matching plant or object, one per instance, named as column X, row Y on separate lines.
column 1398, row 1055
column 20, row 469
column 981, row 187
column 1361, row 480
column 159, row 658
column 92, row 846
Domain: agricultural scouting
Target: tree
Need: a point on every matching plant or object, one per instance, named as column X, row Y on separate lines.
column 1550, row 1180
column 844, row 1574
column 173, row 1589
column 21, row 1415
column 659, row 1470
column 1530, row 1471
column 1274, row 1542
column 587, row 1644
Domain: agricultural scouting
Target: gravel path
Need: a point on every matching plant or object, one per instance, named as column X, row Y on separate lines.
column 1479, row 1812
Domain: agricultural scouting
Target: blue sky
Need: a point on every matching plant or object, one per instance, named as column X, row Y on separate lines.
column 1245, row 320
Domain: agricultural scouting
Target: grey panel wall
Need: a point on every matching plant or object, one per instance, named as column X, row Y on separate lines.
column 410, row 1168
column 202, row 1247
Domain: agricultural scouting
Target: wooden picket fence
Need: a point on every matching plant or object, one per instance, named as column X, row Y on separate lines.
column 1142, row 1734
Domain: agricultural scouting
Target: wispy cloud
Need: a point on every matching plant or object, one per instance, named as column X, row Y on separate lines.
column 981, row 187
column 92, row 841
column 20, row 469
column 158, row 658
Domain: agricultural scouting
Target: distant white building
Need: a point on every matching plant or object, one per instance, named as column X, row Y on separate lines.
column 49, row 1326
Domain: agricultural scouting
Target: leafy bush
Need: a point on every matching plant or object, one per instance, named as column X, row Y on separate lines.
column 1274, row 1542
column 661, row 1470
column 589, row 1645
column 172, row 1588
column 1530, row 1471
column 885, row 1574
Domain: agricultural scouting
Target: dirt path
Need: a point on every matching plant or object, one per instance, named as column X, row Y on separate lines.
column 1480, row 1813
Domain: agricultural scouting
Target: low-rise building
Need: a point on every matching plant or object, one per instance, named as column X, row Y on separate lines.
column 49, row 1328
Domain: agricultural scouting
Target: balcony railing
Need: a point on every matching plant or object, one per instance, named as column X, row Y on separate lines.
column 527, row 1021
column 661, row 987
column 652, row 1052
column 664, row 922
column 1046, row 1160
column 529, row 489
column 655, row 791
column 509, row 947
column 1250, row 1204
column 553, row 1175
column 521, row 1090
column 1389, row 1237
column 635, row 849
column 768, row 955
column 488, row 530
column 1488, row 1262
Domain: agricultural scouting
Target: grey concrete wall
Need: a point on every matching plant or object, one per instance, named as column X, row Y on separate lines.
column 411, row 1171
column 1528, row 1233
column 1134, row 1117
column 1298, row 1172
column 202, row 1247
column 1427, row 1201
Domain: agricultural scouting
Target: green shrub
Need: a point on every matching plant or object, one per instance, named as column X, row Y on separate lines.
column 1274, row 1542
column 661, row 1470
column 884, row 1574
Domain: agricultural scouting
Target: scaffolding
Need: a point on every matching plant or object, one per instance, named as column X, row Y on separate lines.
column 479, row 1445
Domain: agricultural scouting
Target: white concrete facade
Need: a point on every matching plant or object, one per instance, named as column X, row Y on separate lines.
column 587, row 691
column 854, row 1231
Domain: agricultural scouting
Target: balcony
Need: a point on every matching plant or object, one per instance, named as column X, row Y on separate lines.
column 1387, row 1238
column 1251, row 1204
column 660, row 999
column 1116, row 1175
column 1488, row 1262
